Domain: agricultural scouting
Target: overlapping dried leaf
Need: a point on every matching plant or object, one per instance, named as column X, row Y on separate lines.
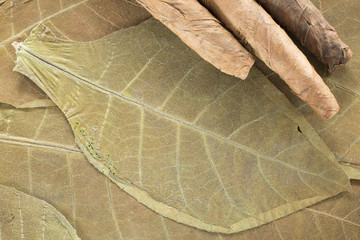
column 25, row 217
column 78, row 20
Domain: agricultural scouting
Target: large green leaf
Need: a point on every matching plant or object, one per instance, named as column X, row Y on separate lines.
column 342, row 133
column 25, row 217
column 51, row 168
column 189, row 142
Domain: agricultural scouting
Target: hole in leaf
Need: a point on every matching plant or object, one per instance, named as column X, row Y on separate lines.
column 299, row 130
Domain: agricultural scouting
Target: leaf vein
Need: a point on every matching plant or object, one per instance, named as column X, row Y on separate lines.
column 333, row 216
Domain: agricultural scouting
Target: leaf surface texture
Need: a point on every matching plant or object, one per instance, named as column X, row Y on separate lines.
column 81, row 20
column 189, row 142
column 99, row 209
column 25, row 217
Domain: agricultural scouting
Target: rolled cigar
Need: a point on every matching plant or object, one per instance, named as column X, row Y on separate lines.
column 305, row 21
column 252, row 25
column 203, row 33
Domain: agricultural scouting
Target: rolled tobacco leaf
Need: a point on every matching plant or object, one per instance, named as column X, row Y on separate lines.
column 309, row 26
column 254, row 27
column 203, row 33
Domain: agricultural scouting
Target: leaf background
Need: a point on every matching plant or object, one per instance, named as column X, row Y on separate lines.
column 52, row 169
column 25, row 216
column 318, row 227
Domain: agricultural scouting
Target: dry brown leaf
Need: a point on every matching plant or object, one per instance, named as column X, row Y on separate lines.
column 80, row 20
column 342, row 133
column 154, row 117
column 51, row 169
column 25, row 217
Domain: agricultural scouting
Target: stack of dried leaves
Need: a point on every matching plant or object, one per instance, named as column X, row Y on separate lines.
column 178, row 150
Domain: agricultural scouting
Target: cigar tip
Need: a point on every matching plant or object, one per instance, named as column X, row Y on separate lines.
column 346, row 56
column 327, row 114
column 243, row 74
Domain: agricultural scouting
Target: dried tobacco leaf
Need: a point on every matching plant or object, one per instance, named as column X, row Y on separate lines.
column 52, row 170
column 25, row 217
column 189, row 142
column 342, row 133
column 71, row 19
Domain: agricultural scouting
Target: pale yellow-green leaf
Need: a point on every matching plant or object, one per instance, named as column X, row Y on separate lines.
column 25, row 217
column 99, row 209
column 81, row 20
column 189, row 142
